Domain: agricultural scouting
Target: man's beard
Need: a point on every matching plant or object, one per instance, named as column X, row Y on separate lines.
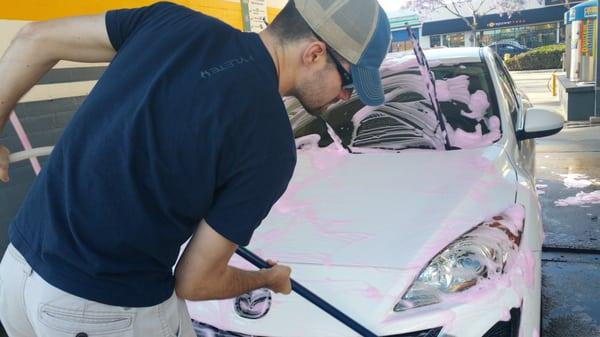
column 312, row 89
column 301, row 96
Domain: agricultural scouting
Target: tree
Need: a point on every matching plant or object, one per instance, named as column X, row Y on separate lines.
column 468, row 10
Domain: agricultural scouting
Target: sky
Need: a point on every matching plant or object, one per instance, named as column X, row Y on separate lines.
column 391, row 5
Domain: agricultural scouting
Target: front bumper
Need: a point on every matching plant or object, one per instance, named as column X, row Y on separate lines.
column 500, row 329
column 205, row 330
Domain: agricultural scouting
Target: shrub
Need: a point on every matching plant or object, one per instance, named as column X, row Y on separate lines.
column 546, row 57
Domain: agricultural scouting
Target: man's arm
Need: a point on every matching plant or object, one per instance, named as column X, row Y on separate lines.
column 37, row 48
column 203, row 272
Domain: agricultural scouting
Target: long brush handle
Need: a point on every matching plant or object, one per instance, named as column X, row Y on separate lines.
column 32, row 153
column 310, row 296
column 24, row 141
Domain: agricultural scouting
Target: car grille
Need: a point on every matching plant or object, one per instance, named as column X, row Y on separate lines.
column 425, row 333
column 506, row 329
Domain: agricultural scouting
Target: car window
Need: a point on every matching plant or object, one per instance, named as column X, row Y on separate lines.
column 508, row 88
column 407, row 119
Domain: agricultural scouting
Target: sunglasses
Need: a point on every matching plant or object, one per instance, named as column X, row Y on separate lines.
column 347, row 82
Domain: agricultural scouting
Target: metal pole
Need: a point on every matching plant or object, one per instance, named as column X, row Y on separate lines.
column 310, row 296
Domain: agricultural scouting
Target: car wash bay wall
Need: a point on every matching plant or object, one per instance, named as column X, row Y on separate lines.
column 46, row 109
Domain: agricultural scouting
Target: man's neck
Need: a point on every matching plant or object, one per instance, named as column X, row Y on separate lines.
column 278, row 54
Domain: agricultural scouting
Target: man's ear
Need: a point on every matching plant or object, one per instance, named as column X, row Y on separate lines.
column 313, row 53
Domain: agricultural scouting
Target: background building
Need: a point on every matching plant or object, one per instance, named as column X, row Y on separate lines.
column 398, row 23
column 536, row 25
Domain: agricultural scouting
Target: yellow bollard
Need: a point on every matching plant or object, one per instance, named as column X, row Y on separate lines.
column 554, row 84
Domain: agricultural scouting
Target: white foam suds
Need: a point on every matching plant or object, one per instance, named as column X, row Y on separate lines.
column 576, row 180
column 580, row 199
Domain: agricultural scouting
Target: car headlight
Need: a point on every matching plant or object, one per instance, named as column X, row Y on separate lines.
column 481, row 253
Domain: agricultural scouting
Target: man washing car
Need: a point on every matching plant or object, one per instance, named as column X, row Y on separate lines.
column 172, row 142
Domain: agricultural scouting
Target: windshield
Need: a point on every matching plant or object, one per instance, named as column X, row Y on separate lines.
column 406, row 120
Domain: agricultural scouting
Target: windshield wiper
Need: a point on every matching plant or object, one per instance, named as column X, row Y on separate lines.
column 429, row 80
column 334, row 136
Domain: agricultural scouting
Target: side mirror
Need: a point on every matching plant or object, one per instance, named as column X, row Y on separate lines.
column 540, row 123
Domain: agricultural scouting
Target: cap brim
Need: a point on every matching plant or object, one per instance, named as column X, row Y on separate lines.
column 367, row 83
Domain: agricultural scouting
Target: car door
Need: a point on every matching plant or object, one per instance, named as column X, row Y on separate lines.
column 517, row 108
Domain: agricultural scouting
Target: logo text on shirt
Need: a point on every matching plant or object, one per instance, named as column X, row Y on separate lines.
column 225, row 65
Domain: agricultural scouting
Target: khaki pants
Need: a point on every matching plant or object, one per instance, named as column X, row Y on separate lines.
column 29, row 306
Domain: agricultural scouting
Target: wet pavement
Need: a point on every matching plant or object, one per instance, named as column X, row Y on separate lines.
column 568, row 172
column 568, row 165
column 570, row 305
column 572, row 226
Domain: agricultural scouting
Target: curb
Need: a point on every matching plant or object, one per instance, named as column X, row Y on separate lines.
column 536, row 71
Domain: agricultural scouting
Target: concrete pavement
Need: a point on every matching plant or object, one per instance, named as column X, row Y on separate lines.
column 536, row 85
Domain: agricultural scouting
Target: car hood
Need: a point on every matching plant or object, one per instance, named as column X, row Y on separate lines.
column 383, row 210
column 357, row 229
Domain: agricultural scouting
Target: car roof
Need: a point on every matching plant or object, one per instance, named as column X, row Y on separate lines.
column 446, row 55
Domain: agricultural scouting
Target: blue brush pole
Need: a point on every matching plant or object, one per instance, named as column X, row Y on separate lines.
column 310, row 296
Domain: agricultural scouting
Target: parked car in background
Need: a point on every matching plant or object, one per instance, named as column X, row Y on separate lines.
column 509, row 47
column 411, row 223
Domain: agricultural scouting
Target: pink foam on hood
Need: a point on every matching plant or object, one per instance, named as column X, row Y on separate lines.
column 308, row 142
column 536, row 333
column 274, row 235
column 302, row 212
column 328, row 157
column 371, row 292
column 345, row 237
column 322, row 159
column 515, row 216
column 288, row 203
column 580, row 199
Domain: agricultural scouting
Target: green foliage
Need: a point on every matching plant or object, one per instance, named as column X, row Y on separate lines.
column 546, row 57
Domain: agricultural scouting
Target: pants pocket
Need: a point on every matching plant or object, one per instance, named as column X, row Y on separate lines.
column 175, row 318
column 67, row 322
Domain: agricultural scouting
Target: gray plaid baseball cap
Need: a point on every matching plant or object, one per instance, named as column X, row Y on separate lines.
column 358, row 30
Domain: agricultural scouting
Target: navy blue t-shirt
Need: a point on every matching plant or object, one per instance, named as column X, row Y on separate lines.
column 185, row 124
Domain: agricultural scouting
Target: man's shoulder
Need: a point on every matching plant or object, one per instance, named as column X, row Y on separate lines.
column 185, row 14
